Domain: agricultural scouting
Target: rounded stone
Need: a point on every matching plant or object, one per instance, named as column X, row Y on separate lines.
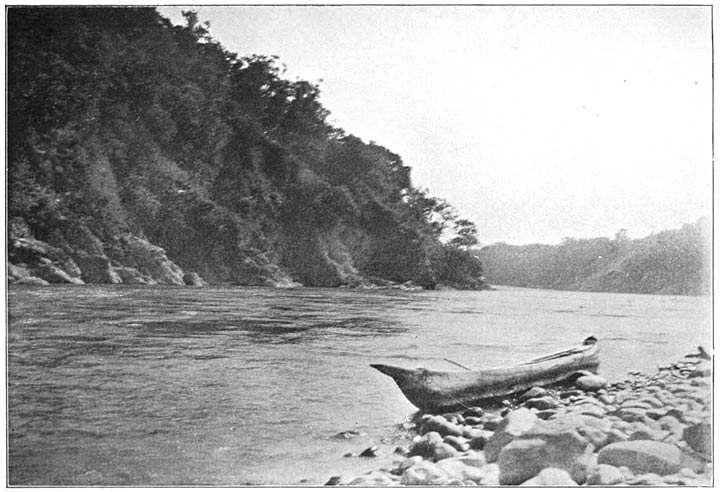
column 491, row 475
column 644, row 433
column 473, row 412
column 699, row 438
column 647, row 479
column 572, row 393
column 408, row 463
column 478, row 442
column 631, row 414
column 424, row 473
column 542, row 403
column 334, row 480
column 590, row 383
column 546, row 414
column 636, row 404
column 589, row 409
column 642, row 456
column 371, row 452
column 652, row 401
column 606, row 399
column 425, row 446
column 459, row 443
column 515, row 424
column 524, row 458
column 491, row 422
column 374, row 479
column 442, row 426
column 657, row 413
column 605, row 475
column 455, row 468
column 534, row 392
column 401, row 450
column 472, row 458
column 443, row 451
column 551, row 476
column 702, row 370
column 615, row 435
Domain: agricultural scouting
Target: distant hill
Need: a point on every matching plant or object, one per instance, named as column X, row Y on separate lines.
column 669, row 262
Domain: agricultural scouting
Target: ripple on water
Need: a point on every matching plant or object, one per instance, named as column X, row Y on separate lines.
column 117, row 385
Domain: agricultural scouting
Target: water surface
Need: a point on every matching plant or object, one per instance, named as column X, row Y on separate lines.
column 123, row 385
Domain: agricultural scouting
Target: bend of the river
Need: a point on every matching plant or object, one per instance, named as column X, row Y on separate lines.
column 126, row 385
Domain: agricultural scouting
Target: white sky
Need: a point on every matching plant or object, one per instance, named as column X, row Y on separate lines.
column 535, row 122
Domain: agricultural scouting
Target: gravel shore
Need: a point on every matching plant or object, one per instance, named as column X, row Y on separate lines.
column 646, row 430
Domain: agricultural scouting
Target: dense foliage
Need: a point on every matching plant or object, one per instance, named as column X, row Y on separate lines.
column 669, row 262
column 122, row 124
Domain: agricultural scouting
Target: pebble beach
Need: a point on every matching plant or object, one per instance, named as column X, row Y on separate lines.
column 647, row 430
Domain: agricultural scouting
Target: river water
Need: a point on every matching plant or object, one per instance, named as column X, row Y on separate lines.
column 124, row 385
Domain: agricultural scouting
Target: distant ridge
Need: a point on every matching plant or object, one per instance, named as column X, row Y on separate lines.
column 669, row 262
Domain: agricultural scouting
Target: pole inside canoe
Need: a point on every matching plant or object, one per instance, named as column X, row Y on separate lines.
column 458, row 364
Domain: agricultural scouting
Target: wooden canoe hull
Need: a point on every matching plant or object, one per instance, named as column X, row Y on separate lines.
column 438, row 392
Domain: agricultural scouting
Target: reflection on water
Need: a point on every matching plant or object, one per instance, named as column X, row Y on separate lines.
column 118, row 385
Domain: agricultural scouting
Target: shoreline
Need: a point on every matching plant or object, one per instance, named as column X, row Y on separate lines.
column 648, row 429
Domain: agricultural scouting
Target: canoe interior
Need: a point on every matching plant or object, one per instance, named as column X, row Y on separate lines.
column 438, row 391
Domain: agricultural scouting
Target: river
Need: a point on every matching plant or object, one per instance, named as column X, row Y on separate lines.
column 126, row 385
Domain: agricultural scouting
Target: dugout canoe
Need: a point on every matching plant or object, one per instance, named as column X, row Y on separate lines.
column 438, row 391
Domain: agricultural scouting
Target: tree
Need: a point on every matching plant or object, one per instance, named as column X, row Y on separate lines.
column 466, row 234
column 124, row 123
column 622, row 236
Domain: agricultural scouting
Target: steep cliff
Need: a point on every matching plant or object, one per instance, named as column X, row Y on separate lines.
column 142, row 152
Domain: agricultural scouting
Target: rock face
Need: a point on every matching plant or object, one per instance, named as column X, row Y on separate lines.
column 33, row 258
column 55, row 275
column 147, row 258
column 257, row 269
column 32, row 281
column 79, row 238
column 192, row 278
column 130, row 275
column 72, row 253
column 96, row 269
column 30, row 251
column 78, row 257
column 16, row 272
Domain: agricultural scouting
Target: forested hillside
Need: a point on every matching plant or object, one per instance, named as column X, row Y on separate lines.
column 143, row 152
column 669, row 262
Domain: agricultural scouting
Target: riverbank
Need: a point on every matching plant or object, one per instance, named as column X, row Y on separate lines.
column 645, row 430
column 80, row 257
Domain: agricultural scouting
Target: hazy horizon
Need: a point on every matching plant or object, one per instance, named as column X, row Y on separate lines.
column 609, row 236
column 537, row 123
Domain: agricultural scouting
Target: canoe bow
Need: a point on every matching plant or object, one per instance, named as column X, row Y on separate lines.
column 439, row 391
